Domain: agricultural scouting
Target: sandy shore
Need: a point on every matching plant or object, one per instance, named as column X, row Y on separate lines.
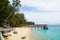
column 21, row 32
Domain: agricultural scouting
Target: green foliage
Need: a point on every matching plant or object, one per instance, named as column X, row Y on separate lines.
column 3, row 10
column 31, row 23
column 20, row 18
column 16, row 4
column 17, row 19
column 6, row 10
column 7, row 13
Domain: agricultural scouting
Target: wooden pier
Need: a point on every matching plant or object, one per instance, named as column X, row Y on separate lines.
column 42, row 26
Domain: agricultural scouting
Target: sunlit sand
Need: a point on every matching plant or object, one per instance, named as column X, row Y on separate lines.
column 21, row 32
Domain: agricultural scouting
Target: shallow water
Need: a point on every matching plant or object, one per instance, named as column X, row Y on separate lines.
column 53, row 33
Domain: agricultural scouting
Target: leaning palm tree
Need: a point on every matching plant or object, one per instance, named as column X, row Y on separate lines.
column 16, row 4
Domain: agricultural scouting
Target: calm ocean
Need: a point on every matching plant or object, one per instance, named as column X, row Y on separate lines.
column 53, row 33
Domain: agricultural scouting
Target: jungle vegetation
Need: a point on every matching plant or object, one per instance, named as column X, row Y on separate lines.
column 9, row 13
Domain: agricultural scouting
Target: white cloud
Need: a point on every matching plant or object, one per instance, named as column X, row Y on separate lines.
column 43, row 17
column 42, row 4
column 48, row 18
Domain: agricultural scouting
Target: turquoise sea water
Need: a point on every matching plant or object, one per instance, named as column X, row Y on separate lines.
column 53, row 33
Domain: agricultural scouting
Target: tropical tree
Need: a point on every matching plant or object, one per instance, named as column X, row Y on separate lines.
column 6, row 10
column 31, row 23
column 3, row 10
column 16, row 4
column 7, row 13
column 17, row 19
column 20, row 17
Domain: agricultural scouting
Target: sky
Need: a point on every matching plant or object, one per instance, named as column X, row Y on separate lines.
column 41, row 11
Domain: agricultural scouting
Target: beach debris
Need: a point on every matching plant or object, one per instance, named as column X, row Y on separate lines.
column 23, row 37
column 6, row 33
column 9, row 34
column 15, row 32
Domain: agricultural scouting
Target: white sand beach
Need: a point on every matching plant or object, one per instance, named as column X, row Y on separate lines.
column 21, row 32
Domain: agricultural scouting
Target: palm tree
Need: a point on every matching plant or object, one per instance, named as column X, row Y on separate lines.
column 16, row 4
